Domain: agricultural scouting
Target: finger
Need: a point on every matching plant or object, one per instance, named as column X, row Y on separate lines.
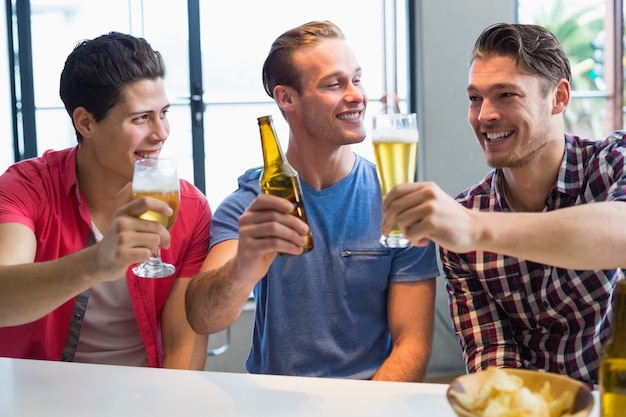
column 288, row 230
column 137, row 207
column 134, row 232
column 271, row 202
column 271, row 246
column 275, row 212
column 398, row 193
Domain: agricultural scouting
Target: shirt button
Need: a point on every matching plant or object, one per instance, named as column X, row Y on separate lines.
column 77, row 317
column 546, row 305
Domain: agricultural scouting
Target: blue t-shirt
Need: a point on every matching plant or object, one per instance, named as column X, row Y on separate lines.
column 324, row 313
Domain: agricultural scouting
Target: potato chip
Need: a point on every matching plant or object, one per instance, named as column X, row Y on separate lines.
column 504, row 395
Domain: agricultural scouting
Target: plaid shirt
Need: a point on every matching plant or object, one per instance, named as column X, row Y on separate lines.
column 510, row 312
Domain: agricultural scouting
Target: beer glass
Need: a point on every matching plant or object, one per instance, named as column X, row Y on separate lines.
column 156, row 178
column 395, row 139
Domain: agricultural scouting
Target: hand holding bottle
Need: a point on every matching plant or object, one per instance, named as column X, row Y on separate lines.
column 278, row 177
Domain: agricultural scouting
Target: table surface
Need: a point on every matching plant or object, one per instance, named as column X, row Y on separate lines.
column 42, row 388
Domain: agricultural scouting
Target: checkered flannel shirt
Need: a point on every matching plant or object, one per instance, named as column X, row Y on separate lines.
column 510, row 312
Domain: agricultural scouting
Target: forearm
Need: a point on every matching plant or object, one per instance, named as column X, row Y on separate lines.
column 190, row 356
column 406, row 363
column 585, row 237
column 215, row 299
column 30, row 291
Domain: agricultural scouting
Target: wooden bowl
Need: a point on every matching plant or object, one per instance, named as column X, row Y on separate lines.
column 533, row 380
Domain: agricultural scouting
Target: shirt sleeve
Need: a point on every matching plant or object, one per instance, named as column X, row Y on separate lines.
column 19, row 197
column 415, row 263
column 194, row 230
column 484, row 332
column 225, row 221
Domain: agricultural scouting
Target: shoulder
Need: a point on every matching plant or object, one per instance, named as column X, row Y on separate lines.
column 478, row 194
column 191, row 196
column 597, row 157
column 188, row 190
column 53, row 171
column 362, row 164
column 615, row 142
column 247, row 190
column 51, row 161
column 365, row 170
column 251, row 175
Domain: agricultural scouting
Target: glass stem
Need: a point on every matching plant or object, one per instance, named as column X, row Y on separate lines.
column 154, row 263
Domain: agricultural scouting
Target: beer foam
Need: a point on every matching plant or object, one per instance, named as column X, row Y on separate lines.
column 394, row 136
column 155, row 182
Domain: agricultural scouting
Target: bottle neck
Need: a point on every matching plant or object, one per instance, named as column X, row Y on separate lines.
column 272, row 152
column 618, row 341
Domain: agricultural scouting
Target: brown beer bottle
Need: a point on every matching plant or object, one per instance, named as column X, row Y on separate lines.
column 613, row 361
column 278, row 177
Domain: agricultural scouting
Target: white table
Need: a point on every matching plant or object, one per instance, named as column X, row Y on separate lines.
column 41, row 388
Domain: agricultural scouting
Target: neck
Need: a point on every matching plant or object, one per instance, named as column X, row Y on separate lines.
column 103, row 194
column 320, row 169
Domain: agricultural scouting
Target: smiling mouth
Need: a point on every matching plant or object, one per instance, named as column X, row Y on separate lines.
column 349, row 116
column 498, row 136
column 151, row 155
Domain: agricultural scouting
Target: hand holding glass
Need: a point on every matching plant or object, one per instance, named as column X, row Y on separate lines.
column 156, row 178
column 395, row 139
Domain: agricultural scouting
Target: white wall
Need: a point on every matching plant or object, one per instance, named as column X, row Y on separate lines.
column 449, row 153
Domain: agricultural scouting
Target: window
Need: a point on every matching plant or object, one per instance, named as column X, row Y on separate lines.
column 583, row 27
column 6, row 132
column 234, row 45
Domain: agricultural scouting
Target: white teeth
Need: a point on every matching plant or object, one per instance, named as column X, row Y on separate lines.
column 350, row 116
column 147, row 156
column 498, row 135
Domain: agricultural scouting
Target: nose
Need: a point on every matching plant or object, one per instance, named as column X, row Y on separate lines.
column 487, row 112
column 355, row 93
column 161, row 128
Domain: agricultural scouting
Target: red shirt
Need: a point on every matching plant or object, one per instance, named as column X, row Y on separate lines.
column 42, row 194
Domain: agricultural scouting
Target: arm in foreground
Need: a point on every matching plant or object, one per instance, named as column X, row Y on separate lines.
column 29, row 290
column 216, row 296
column 584, row 237
column 411, row 315
column 183, row 348
column 484, row 331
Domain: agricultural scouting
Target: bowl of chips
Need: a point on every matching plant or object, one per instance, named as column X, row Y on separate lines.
column 509, row 392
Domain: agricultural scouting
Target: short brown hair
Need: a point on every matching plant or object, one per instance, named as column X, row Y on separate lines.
column 533, row 48
column 278, row 68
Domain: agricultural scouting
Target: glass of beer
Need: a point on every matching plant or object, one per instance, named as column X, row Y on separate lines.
column 156, row 178
column 395, row 139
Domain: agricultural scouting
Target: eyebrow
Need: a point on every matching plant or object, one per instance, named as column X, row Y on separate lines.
column 495, row 87
column 341, row 73
column 135, row 113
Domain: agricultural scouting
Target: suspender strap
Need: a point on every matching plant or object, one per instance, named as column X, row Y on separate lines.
column 77, row 317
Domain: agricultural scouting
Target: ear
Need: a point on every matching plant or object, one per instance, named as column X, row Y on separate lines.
column 83, row 121
column 284, row 97
column 561, row 97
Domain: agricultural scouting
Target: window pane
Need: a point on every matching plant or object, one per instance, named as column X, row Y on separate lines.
column 50, row 48
column 579, row 26
column 173, row 46
column 6, row 130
